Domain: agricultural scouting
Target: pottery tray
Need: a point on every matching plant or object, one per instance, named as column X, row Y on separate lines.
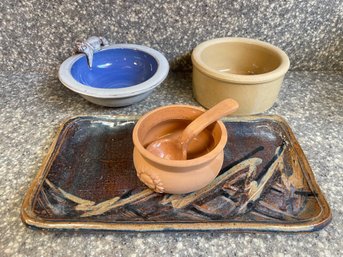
column 88, row 182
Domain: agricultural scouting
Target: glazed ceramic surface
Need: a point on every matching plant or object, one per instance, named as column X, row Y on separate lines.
column 247, row 70
column 121, row 74
column 265, row 184
column 205, row 152
column 115, row 68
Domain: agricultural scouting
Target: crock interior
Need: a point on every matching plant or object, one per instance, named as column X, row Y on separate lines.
column 168, row 121
column 240, row 58
column 115, row 68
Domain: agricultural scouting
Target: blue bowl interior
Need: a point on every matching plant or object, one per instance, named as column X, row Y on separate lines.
column 115, row 68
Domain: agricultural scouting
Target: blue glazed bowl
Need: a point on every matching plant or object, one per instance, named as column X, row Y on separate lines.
column 121, row 75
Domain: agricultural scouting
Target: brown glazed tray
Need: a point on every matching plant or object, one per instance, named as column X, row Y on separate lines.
column 88, row 182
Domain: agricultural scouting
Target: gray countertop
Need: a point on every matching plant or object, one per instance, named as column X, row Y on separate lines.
column 33, row 105
column 38, row 35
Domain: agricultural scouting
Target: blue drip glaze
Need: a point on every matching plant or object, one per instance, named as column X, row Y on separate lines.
column 115, row 68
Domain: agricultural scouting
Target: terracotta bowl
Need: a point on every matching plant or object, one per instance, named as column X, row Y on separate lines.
column 247, row 70
column 177, row 176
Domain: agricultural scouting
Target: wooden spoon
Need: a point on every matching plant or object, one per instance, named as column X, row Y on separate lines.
column 174, row 146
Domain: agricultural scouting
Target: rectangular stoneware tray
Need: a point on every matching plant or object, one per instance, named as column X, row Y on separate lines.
column 88, row 182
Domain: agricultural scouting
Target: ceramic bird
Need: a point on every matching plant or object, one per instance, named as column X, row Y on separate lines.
column 89, row 46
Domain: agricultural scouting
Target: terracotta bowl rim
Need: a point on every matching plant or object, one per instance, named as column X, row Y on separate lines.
column 237, row 78
column 178, row 163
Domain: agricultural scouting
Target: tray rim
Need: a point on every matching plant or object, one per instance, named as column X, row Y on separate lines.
column 30, row 219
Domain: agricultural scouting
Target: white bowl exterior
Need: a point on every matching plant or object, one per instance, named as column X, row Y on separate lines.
column 117, row 102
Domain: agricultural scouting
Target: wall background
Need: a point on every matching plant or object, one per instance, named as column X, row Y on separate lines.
column 37, row 35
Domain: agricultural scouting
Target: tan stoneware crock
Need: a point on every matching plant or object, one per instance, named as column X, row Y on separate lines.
column 247, row 70
column 177, row 176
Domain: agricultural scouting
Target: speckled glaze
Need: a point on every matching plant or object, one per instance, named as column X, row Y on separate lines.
column 37, row 35
column 310, row 101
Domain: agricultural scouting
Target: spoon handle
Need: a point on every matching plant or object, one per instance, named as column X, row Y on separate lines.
column 218, row 111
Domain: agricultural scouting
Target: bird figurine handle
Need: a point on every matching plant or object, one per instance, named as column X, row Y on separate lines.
column 90, row 46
